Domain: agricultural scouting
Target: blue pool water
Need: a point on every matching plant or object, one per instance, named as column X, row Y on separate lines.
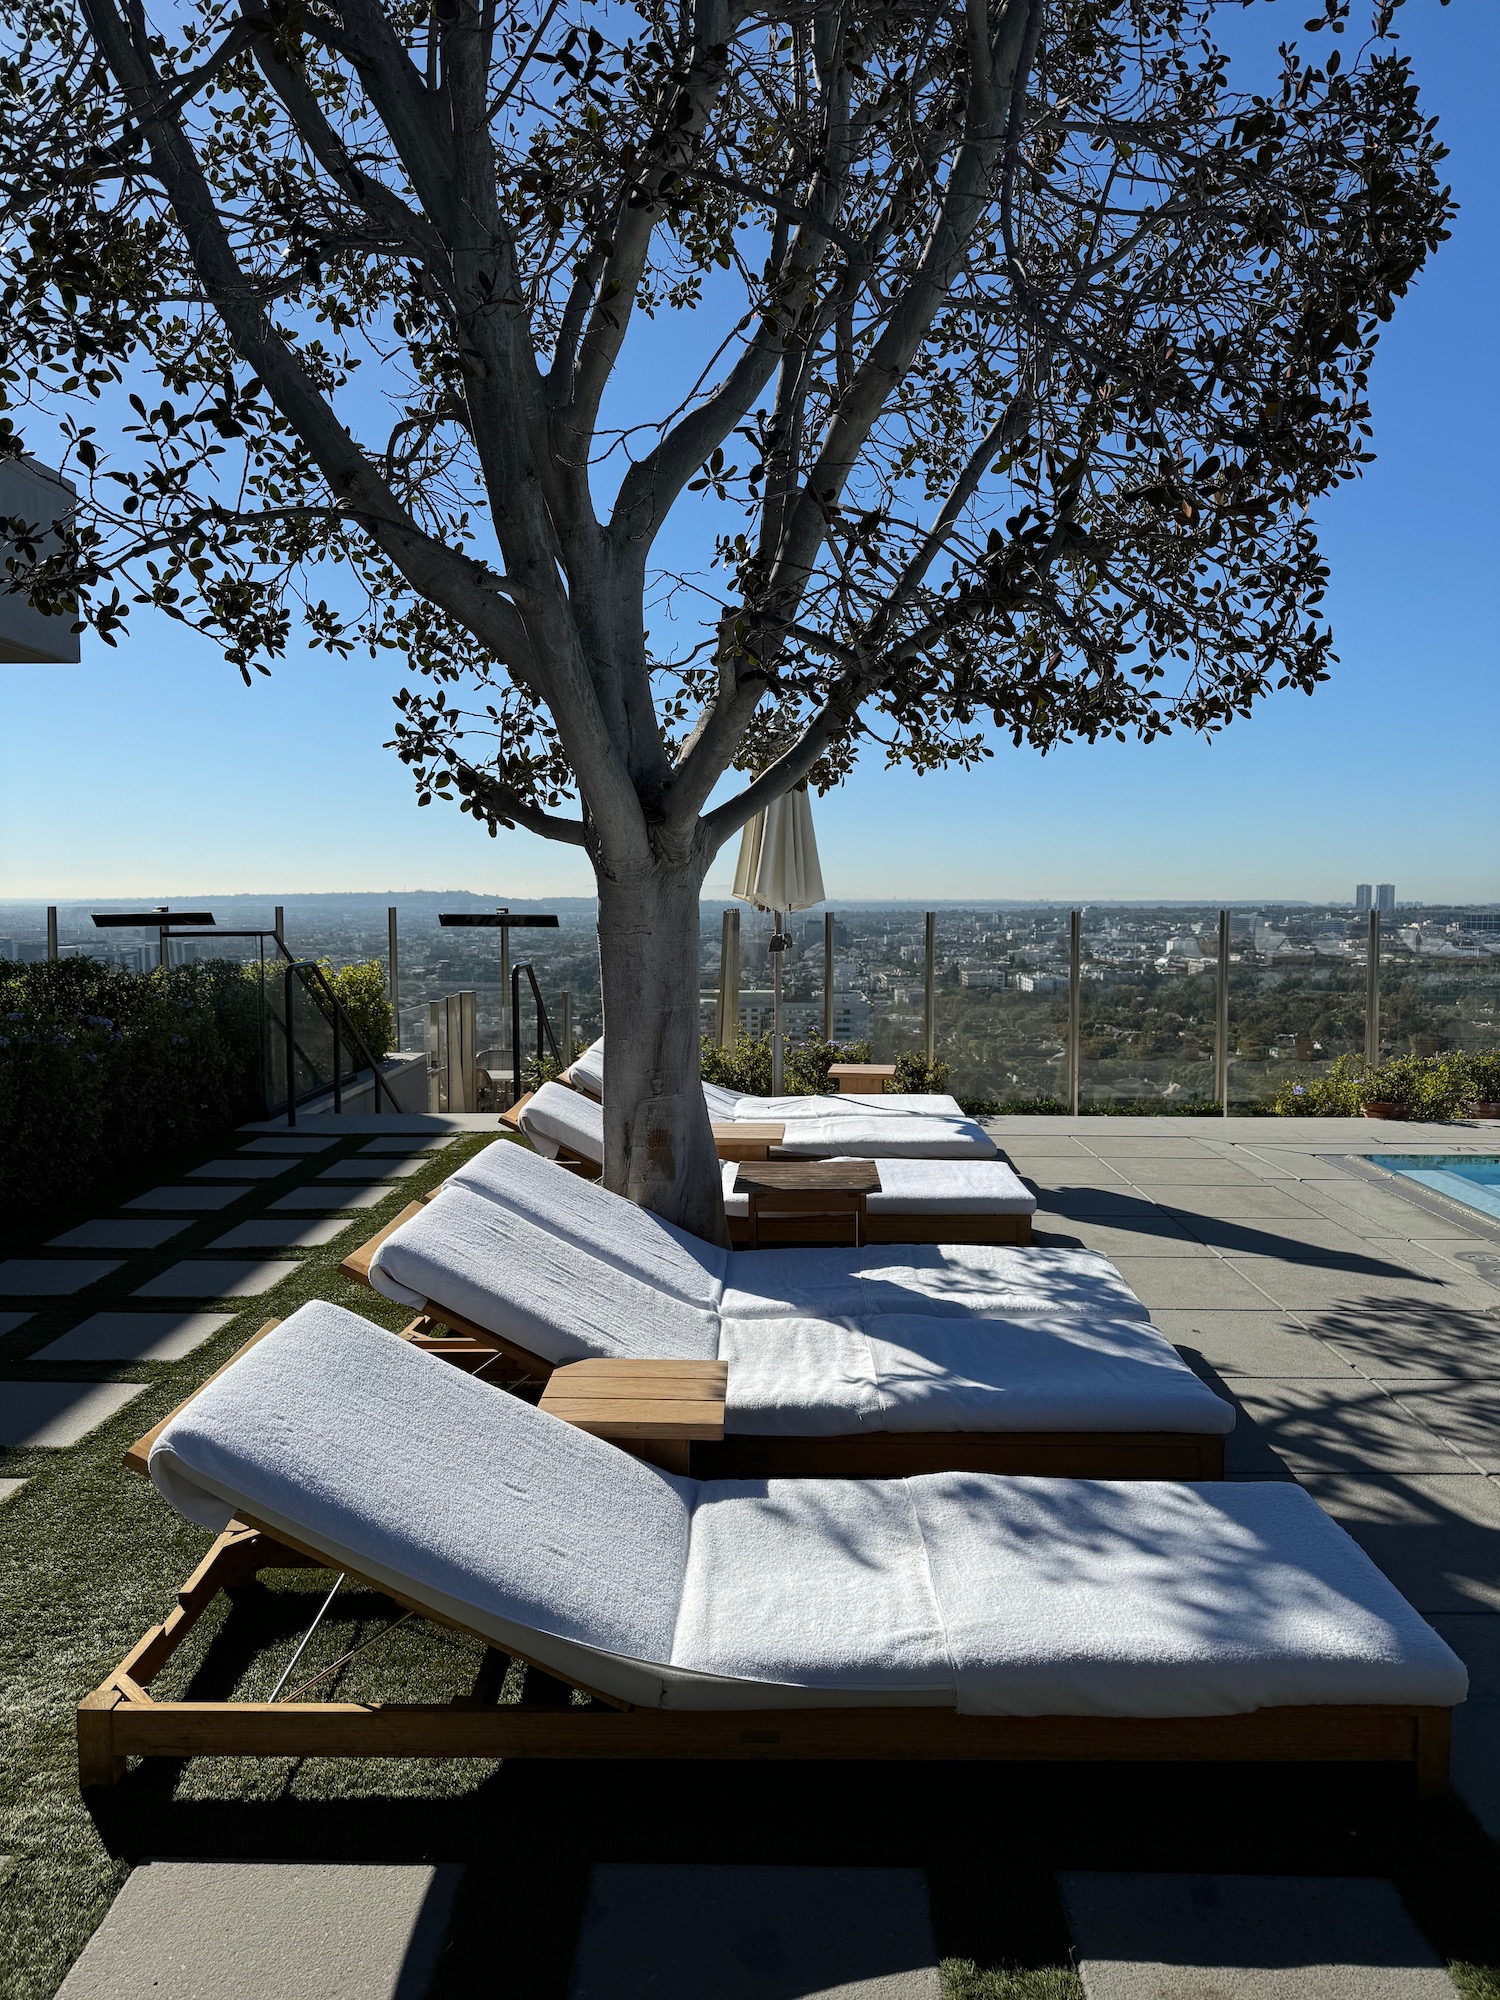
column 1471, row 1178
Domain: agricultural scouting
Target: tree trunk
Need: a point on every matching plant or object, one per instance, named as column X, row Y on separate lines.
column 658, row 1148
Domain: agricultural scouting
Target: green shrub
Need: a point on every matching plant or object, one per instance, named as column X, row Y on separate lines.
column 101, row 1069
column 917, row 1077
column 1482, row 1075
column 1334, row 1095
column 804, row 1069
column 361, row 992
column 1431, row 1087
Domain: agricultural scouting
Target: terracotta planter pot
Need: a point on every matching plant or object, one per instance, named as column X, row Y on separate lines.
column 1379, row 1110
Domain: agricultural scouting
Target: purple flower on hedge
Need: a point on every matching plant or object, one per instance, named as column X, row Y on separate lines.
column 1299, row 1090
column 176, row 1041
column 89, row 1056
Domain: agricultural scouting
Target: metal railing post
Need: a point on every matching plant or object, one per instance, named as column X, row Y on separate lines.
column 338, row 1070
column 52, row 930
column 929, row 987
column 1221, row 1018
column 434, row 1055
column 515, row 1031
column 468, row 1018
column 828, row 975
column 725, row 926
column 453, row 1074
column 291, row 1053
column 1372, row 993
column 278, row 924
column 1075, row 1004
column 567, row 1027
column 514, row 1052
column 729, row 982
column 390, row 933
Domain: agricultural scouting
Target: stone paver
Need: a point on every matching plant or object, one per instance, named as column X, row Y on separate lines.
column 51, row 1278
column 10, row 1321
column 188, row 1200
column 1266, row 1343
column 242, row 1169
column 1476, row 1722
column 1345, row 1426
column 135, row 1336
column 1248, row 1937
column 291, row 1144
column 118, row 1233
column 320, row 1200
column 694, row 1932
column 9, row 1488
column 214, row 1278
column 278, row 1235
column 1410, row 1342
column 372, row 1170
column 1469, row 1418
column 399, row 1145
column 58, row 1413
column 1436, row 1536
column 1189, row 1281
column 268, row 1930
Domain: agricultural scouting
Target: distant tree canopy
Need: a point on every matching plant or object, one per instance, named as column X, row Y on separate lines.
column 1000, row 351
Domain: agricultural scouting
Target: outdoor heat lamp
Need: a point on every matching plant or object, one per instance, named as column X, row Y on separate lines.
column 159, row 921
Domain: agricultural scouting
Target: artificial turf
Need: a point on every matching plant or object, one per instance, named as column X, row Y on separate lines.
column 91, row 1556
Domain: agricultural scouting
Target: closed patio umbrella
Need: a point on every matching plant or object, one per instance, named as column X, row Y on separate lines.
column 778, row 871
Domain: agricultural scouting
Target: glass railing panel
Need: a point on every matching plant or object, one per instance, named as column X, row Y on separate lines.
column 1146, row 1033
column 1433, row 1000
column 1291, row 1016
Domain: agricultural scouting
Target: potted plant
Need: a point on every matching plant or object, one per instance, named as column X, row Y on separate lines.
column 1482, row 1078
column 1387, row 1090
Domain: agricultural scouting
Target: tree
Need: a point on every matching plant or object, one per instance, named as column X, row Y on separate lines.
column 1002, row 346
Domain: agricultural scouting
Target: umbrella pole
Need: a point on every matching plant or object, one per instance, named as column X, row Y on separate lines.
column 776, row 951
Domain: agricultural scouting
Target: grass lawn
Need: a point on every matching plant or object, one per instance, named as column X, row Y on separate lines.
column 90, row 1557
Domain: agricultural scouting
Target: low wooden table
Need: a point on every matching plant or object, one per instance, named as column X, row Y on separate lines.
column 655, row 1409
column 803, row 1194
column 861, row 1079
column 747, row 1141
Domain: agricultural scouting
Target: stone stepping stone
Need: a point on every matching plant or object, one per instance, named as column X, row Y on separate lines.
column 274, row 1235
column 117, row 1233
column 134, row 1336
column 287, row 1145
column 690, row 1931
column 10, row 1321
column 322, row 1200
column 1247, row 1937
column 59, row 1413
column 214, row 1278
column 239, row 1170
column 399, row 1145
column 55, row 1278
column 9, row 1488
column 198, row 1201
column 268, row 1930
column 370, row 1170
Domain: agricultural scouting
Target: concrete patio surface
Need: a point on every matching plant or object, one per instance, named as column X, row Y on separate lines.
column 1355, row 1328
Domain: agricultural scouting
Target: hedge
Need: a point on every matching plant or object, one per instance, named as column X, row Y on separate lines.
column 101, row 1069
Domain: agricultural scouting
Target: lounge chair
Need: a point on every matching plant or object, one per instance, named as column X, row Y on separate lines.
column 869, row 1128
column 920, row 1201
column 872, row 1362
column 948, row 1616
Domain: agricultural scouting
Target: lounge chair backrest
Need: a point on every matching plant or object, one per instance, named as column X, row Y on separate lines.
column 588, row 1073
column 607, row 1226
column 533, row 1287
column 557, row 1120
column 489, row 1511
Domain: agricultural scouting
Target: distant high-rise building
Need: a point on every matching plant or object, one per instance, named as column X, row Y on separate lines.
column 1385, row 898
column 1361, row 899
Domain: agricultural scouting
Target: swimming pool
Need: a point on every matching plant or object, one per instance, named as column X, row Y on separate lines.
column 1472, row 1178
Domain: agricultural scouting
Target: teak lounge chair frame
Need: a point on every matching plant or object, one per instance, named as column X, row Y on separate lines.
column 868, row 1455
column 120, row 1720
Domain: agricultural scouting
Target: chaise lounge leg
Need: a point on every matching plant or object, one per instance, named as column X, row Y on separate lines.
column 1434, row 1730
column 98, row 1763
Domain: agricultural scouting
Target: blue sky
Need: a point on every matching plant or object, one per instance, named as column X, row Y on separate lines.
column 152, row 769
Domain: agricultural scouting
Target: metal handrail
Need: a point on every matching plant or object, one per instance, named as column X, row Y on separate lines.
column 543, row 1025
column 341, row 1025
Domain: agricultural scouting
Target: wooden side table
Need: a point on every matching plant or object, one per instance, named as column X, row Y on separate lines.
column 861, row 1079
column 814, row 1201
column 654, row 1409
column 747, row 1141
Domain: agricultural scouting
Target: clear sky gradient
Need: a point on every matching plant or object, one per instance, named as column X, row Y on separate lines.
column 151, row 770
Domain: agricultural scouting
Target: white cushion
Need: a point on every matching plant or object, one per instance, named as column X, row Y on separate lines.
column 723, row 1105
column 925, row 1187
column 935, row 1280
column 851, row 1104
column 583, row 1213
column 419, row 1478
column 999, row 1596
column 800, row 1378
column 876, row 1137
column 1088, row 1597
column 1036, row 1372
column 587, row 1072
column 479, row 1259
column 557, row 1119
